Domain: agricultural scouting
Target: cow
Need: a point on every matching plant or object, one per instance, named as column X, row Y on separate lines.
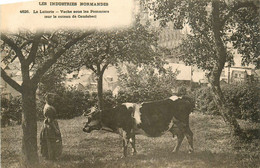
column 152, row 119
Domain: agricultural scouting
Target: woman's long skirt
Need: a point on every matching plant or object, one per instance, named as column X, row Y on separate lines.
column 50, row 141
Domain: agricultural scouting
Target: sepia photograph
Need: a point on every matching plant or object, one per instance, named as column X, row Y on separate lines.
column 130, row 83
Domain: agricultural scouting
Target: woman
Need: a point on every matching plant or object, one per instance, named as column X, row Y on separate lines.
column 50, row 137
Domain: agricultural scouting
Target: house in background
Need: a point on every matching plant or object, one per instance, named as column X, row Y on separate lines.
column 171, row 38
column 239, row 75
column 14, row 72
column 85, row 79
column 184, row 73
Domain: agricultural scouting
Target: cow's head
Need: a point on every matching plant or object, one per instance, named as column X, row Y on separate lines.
column 93, row 121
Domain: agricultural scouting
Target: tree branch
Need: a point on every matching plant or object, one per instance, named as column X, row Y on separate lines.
column 104, row 68
column 107, row 52
column 40, row 72
column 26, row 43
column 92, row 68
column 48, row 41
column 19, row 36
column 220, row 49
column 34, row 48
column 10, row 81
column 6, row 58
column 13, row 46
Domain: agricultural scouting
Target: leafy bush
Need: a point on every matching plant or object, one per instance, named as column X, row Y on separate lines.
column 71, row 103
column 109, row 99
column 145, row 84
column 242, row 99
column 68, row 103
column 204, row 101
column 11, row 109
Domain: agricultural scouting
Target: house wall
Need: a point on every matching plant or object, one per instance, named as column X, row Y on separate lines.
column 86, row 79
column 7, row 91
column 235, row 74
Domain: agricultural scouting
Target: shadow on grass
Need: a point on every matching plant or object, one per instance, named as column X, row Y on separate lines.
column 184, row 159
column 166, row 159
column 156, row 158
column 252, row 134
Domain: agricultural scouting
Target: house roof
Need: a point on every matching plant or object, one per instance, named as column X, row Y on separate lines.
column 184, row 72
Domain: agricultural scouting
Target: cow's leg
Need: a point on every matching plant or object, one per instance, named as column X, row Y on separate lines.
column 132, row 141
column 125, row 141
column 180, row 137
column 189, row 135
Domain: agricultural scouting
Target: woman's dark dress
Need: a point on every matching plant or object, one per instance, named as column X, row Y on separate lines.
column 50, row 137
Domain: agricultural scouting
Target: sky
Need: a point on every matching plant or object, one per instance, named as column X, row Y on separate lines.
column 12, row 1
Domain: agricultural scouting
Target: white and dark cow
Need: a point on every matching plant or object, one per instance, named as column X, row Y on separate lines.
column 150, row 118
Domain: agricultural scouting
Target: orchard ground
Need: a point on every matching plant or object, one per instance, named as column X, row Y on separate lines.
column 212, row 143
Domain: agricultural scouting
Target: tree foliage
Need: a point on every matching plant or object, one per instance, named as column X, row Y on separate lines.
column 215, row 25
column 238, row 24
column 136, row 44
column 36, row 52
column 53, row 80
column 246, row 37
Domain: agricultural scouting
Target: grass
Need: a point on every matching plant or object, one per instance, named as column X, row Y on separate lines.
column 213, row 147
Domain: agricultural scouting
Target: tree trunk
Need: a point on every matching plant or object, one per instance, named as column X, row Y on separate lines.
column 29, row 126
column 225, row 111
column 100, row 91
column 216, row 72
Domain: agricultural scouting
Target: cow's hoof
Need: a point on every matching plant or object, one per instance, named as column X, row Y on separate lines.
column 175, row 151
column 134, row 153
column 191, row 151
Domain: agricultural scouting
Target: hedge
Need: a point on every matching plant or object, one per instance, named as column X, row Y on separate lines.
column 242, row 99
